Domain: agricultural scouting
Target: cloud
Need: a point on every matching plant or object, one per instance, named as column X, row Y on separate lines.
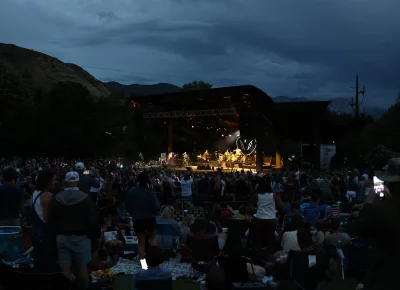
column 108, row 16
column 310, row 48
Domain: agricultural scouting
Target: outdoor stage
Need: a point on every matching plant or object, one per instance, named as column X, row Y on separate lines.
column 214, row 118
column 227, row 170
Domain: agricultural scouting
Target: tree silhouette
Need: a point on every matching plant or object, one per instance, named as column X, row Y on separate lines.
column 196, row 85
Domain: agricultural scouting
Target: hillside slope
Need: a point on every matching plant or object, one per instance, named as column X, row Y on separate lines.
column 40, row 71
column 141, row 90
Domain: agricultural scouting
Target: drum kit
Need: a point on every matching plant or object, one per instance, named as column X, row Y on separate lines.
column 231, row 158
column 226, row 159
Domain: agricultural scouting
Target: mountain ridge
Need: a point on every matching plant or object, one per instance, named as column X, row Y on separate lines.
column 37, row 70
column 338, row 105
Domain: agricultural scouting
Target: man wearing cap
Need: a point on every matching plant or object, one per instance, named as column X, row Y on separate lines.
column 73, row 217
column 86, row 180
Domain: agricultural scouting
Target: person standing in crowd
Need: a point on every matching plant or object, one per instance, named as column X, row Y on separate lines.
column 20, row 181
column 43, row 238
column 73, row 217
column 12, row 202
column 264, row 221
column 28, row 191
column 95, row 191
column 86, row 179
column 167, row 189
column 187, row 183
column 143, row 206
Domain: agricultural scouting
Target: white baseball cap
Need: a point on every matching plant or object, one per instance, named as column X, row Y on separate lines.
column 79, row 166
column 72, row 176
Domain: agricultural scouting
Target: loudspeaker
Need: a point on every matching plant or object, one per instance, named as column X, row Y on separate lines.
column 248, row 124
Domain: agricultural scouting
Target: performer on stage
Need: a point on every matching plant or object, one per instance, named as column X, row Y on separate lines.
column 141, row 156
column 185, row 158
column 227, row 155
column 238, row 152
column 206, row 156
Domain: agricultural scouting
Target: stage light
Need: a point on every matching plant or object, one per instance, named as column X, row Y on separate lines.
column 230, row 135
column 192, row 126
column 222, row 135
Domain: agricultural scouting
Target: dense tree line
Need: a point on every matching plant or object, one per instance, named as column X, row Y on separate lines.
column 68, row 121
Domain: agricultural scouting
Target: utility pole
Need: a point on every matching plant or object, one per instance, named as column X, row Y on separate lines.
column 357, row 104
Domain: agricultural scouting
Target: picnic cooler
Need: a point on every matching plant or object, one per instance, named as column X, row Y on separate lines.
column 11, row 243
column 131, row 244
column 249, row 286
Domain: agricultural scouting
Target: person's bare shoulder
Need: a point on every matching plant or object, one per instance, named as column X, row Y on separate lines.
column 46, row 196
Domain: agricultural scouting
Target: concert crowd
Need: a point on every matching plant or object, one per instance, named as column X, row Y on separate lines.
column 284, row 229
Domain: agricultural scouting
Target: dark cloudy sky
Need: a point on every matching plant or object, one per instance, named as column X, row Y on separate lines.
column 310, row 48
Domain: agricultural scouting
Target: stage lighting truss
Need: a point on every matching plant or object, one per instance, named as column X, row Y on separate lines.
column 189, row 114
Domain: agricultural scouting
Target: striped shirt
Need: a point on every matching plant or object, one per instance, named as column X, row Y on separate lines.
column 333, row 211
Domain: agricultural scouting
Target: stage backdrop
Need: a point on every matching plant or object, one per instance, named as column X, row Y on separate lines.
column 327, row 151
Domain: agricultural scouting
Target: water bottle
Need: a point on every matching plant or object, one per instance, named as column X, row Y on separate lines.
column 203, row 285
column 244, row 242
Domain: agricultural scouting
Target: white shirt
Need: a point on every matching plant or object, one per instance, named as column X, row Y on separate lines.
column 110, row 236
column 186, row 187
column 266, row 206
column 289, row 241
column 38, row 206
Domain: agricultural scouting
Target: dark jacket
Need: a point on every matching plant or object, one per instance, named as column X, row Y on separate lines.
column 142, row 203
column 73, row 213
column 381, row 223
column 86, row 181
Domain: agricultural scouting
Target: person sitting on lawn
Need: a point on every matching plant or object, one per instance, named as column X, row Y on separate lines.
column 112, row 242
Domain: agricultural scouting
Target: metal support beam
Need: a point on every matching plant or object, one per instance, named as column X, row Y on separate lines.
column 189, row 114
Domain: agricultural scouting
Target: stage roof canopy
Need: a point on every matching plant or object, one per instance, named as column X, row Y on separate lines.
column 283, row 116
column 218, row 98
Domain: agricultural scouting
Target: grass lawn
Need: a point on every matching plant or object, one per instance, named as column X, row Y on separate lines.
column 125, row 283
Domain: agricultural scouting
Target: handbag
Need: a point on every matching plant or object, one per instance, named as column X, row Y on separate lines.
column 249, row 286
column 252, row 275
column 290, row 284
